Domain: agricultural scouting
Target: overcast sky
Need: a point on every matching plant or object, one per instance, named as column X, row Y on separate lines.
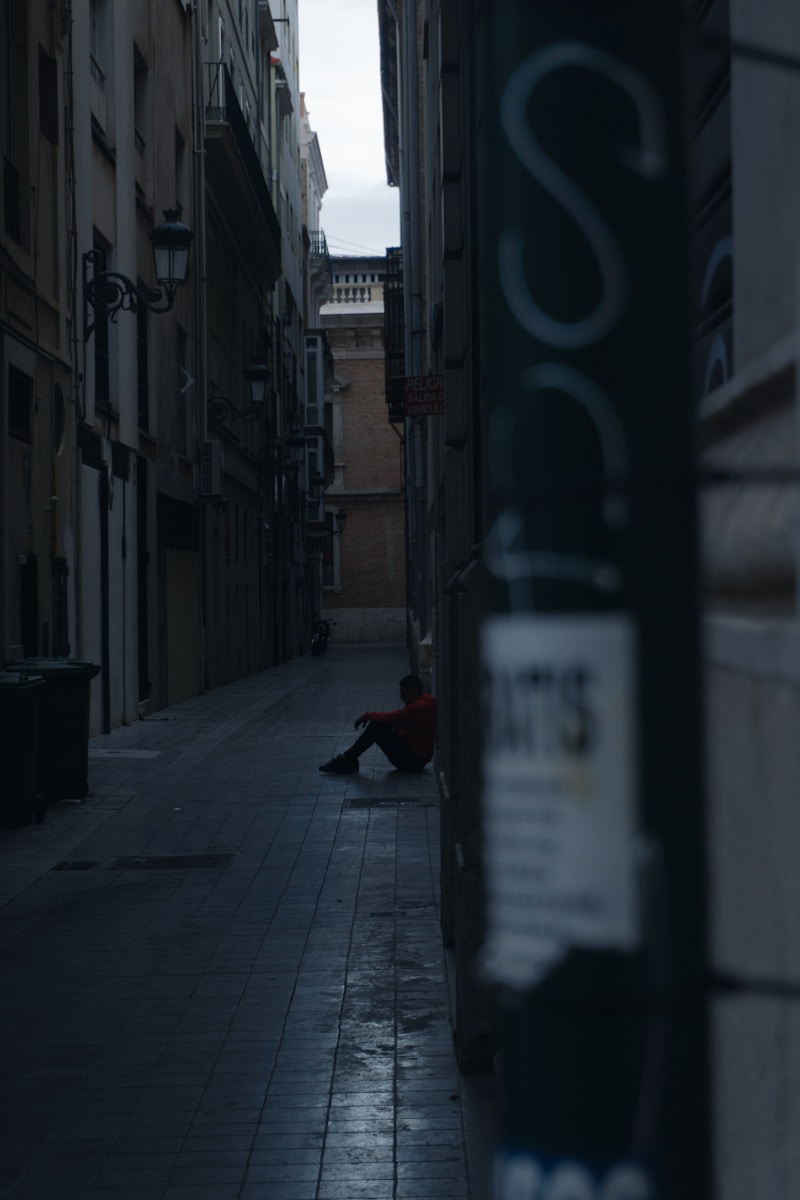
column 340, row 75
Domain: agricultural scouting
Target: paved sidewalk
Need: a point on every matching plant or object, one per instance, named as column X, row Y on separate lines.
column 222, row 974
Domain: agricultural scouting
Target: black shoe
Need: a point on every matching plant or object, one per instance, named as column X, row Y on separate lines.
column 340, row 765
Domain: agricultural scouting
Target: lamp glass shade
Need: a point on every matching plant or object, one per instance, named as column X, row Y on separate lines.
column 341, row 520
column 257, row 376
column 297, row 449
column 171, row 244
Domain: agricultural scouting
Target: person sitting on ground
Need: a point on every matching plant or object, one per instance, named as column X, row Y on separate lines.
column 405, row 735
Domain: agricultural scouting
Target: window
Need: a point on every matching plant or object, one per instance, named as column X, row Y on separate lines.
column 141, row 99
column 315, row 509
column 15, row 86
column 180, row 168
column 11, row 205
column 314, row 381
column 58, row 569
column 20, row 403
column 59, row 418
column 142, row 369
column 100, row 337
column 328, row 562
column 184, row 390
column 713, row 211
column 99, row 38
column 102, row 369
column 48, row 97
column 29, row 605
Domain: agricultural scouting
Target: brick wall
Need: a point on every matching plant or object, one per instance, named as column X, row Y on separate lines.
column 373, row 453
column 369, row 482
column 372, row 553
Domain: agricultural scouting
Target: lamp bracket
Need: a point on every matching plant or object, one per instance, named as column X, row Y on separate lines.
column 110, row 292
column 220, row 408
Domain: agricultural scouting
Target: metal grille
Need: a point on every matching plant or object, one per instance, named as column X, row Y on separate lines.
column 169, row 862
column 389, row 802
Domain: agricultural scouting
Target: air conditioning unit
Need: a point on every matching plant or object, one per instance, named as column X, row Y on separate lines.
column 211, row 469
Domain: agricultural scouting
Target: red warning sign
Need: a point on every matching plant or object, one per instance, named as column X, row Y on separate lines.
column 424, row 395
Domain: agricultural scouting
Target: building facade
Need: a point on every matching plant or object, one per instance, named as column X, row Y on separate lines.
column 151, row 511
column 315, row 457
column 39, row 340
column 732, row 280
column 433, row 330
column 364, row 569
column 745, row 189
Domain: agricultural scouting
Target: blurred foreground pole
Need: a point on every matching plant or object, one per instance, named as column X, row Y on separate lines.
column 592, row 797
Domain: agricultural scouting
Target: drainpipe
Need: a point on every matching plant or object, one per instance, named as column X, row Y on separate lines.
column 259, row 99
column 77, row 349
column 412, row 265
column 4, row 648
column 200, row 18
column 412, row 275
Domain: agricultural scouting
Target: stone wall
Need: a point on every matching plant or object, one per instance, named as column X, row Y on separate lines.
column 377, row 625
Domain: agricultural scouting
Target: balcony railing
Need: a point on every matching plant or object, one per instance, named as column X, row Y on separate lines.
column 319, row 244
column 321, row 266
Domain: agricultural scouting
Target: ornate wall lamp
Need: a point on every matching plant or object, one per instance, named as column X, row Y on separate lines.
column 316, row 540
column 296, row 447
column 220, row 408
column 341, row 520
column 105, row 293
column 316, row 489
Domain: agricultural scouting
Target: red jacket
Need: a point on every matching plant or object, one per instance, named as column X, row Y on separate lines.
column 415, row 723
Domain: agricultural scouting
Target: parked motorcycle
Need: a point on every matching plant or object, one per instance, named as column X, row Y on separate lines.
column 321, row 637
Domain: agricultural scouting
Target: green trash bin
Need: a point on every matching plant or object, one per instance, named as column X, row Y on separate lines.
column 20, row 702
column 63, row 758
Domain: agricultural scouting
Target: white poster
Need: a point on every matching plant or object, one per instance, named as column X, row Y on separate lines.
column 559, row 792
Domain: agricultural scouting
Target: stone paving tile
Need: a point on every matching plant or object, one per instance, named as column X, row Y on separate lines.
column 278, row 1191
column 289, row 1140
column 298, row 1173
column 271, row 1024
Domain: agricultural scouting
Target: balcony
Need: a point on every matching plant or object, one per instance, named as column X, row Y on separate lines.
column 266, row 26
column 320, row 266
column 319, row 244
column 234, row 170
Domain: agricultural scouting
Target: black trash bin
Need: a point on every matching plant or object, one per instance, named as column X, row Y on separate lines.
column 63, row 757
column 20, row 702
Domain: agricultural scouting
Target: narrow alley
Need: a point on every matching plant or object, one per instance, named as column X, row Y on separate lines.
column 223, row 975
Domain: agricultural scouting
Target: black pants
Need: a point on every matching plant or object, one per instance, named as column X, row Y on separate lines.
column 398, row 752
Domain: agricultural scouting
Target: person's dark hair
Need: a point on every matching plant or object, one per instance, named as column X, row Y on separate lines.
column 412, row 681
